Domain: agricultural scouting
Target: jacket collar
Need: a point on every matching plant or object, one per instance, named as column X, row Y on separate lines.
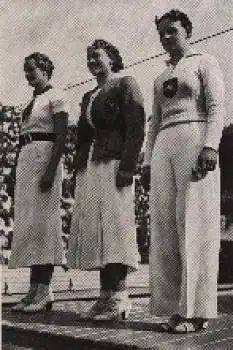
column 190, row 53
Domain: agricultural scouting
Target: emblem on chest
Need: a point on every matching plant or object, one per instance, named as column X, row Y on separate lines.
column 111, row 106
column 170, row 87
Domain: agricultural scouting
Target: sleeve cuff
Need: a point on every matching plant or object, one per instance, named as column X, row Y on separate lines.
column 213, row 147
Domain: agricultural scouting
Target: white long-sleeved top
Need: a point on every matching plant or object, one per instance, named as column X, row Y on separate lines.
column 191, row 90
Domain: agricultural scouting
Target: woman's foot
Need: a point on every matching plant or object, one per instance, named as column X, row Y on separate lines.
column 43, row 300
column 28, row 299
column 117, row 308
column 97, row 308
column 181, row 325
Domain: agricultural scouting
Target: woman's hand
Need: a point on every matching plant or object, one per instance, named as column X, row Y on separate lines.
column 145, row 177
column 124, row 178
column 198, row 174
column 46, row 181
column 207, row 159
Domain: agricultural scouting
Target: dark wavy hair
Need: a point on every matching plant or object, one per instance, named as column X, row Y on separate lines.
column 112, row 52
column 42, row 61
column 176, row 15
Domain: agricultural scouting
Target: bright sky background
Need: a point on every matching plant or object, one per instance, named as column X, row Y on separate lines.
column 63, row 28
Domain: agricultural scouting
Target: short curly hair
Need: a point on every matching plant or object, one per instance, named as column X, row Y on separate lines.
column 112, row 52
column 42, row 61
column 176, row 15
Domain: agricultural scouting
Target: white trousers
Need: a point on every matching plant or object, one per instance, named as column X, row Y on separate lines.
column 185, row 227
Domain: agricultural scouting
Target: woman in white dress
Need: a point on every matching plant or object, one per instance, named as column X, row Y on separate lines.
column 110, row 135
column 182, row 156
column 37, row 241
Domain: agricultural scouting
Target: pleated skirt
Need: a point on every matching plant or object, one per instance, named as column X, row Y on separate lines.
column 103, row 226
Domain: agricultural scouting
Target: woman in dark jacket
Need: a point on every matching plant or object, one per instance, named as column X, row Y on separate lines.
column 110, row 136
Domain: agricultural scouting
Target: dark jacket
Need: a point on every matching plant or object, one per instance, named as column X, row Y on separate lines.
column 118, row 116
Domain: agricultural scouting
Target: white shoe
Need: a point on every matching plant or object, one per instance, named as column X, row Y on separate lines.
column 98, row 307
column 28, row 299
column 43, row 300
column 118, row 307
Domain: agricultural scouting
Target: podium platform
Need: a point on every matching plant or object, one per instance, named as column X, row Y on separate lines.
column 61, row 329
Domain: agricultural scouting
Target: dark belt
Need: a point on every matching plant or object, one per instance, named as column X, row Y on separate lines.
column 172, row 124
column 26, row 138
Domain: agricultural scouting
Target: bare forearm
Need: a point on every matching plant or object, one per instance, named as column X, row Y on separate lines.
column 57, row 151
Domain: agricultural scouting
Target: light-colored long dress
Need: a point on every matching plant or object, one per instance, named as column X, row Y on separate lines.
column 185, row 215
column 37, row 225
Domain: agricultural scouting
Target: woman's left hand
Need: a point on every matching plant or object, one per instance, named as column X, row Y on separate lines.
column 46, row 181
column 124, row 178
column 207, row 159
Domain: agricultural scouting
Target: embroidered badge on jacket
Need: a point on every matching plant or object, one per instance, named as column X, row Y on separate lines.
column 170, row 87
column 111, row 106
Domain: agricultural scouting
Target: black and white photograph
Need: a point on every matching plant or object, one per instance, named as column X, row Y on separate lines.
column 116, row 174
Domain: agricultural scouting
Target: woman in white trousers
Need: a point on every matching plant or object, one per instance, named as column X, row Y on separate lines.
column 181, row 156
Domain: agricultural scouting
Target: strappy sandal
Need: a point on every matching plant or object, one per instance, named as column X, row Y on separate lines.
column 181, row 325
